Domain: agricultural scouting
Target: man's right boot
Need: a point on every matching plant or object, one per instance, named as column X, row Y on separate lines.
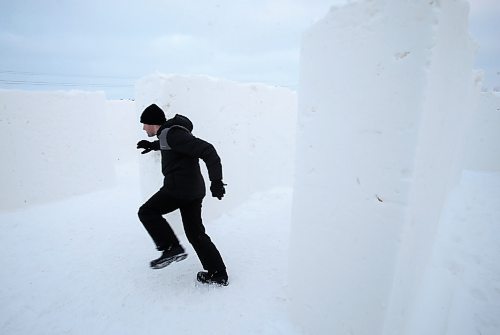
column 216, row 277
column 172, row 254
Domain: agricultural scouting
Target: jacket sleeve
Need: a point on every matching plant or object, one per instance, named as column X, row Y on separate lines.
column 185, row 143
column 155, row 145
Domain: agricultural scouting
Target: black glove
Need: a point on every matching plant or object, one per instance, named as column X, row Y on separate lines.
column 217, row 189
column 148, row 146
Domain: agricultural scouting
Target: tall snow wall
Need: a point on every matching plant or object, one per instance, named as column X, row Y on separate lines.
column 384, row 91
column 252, row 126
column 53, row 145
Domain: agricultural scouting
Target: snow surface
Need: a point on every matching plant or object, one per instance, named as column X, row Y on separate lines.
column 81, row 266
column 482, row 145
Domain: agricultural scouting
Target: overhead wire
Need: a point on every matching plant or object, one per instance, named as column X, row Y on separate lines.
column 11, row 78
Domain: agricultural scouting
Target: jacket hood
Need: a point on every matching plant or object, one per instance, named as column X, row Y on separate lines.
column 178, row 120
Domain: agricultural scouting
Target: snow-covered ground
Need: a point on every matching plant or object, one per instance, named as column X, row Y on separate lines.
column 80, row 266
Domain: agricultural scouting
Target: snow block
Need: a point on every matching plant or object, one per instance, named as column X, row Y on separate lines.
column 385, row 88
column 482, row 147
column 53, row 146
column 122, row 130
column 450, row 96
column 252, row 127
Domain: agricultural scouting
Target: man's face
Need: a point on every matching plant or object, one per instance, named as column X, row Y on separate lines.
column 150, row 129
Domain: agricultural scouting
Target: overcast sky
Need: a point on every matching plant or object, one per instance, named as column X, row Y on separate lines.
column 108, row 45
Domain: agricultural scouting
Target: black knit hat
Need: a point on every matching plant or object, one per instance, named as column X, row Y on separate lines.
column 153, row 115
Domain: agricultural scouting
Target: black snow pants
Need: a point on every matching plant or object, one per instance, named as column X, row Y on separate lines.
column 163, row 236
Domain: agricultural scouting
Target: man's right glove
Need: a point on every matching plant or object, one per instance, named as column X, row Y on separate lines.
column 217, row 189
column 148, row 146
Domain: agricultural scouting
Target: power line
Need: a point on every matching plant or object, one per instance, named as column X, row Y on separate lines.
column 32, row 73
column 65, row 84
column 11, row 78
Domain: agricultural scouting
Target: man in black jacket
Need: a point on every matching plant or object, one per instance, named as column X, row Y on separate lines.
column 183, row 189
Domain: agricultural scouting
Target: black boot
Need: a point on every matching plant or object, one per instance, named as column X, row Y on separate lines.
column 172, row 254
column 216, row 277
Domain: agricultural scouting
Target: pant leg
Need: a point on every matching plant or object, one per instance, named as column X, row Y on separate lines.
column 151, row 217
column 195, row 232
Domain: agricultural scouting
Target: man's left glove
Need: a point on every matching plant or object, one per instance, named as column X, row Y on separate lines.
column 217, row 189
column 148, row 146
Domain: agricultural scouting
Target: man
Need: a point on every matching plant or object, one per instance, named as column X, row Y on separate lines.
column 183, row 189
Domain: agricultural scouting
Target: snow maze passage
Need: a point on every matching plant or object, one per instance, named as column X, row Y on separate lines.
column 392, row 184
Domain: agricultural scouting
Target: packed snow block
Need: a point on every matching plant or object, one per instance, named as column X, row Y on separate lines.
column 53, row 145
column 384, row 88
column 121, row 131
column 450, row 96
column 252, row 126
column 482, row 147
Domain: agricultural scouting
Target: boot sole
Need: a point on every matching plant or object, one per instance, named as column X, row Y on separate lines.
column 169, row 261
column 211, row 282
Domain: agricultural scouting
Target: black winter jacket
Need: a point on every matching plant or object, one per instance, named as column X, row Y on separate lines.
column 180, row 154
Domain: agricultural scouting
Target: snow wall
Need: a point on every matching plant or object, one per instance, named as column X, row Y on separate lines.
column 252, row 127
column 53, row 145
column 121, row 130
column 59, row 144
column 483, row 137
column 385, row 91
